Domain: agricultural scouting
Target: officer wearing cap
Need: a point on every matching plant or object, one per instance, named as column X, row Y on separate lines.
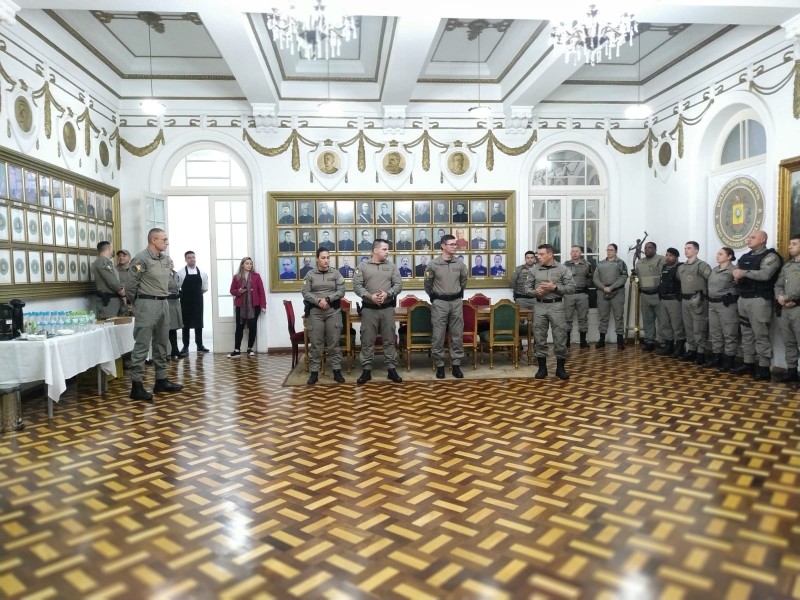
column 110, row 292
column 582, row 273
column 670, row 321
column 125, row 278
column 693, row 275
column 445, row 281
column 150, row 291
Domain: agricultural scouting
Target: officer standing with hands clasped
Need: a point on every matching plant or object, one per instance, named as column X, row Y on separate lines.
column 109, row 289
column 609, row 279
column 445, row 281
column 377, row 282
column 323, row 290
column 649, row 271
column 549, row 282
column 150, row 290
column 582, row 273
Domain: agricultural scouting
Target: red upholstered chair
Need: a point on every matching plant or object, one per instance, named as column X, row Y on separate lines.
column 294, row 336
column 471, row 339
column 405, row 302
column 481, row 300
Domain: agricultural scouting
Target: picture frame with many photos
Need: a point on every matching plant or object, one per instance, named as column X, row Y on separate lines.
column 347, row 224
column 50, row 223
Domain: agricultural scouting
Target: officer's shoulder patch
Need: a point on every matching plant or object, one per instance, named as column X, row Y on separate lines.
column 357, row 271
column 771, row 258
column 140, row 266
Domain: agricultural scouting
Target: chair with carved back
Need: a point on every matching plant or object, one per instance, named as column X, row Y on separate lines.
column 503, row 330
column 420, row 330
column 471, row 339
column 404, row 302
column 295, row 337
column 480, row 300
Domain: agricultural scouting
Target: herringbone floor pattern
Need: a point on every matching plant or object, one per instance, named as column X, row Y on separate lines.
column 639, row 478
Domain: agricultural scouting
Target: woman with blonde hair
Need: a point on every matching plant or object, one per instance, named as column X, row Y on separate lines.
column 249, row 301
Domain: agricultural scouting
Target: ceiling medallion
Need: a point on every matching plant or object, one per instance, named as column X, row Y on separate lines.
column 590, row 38
column 310, row 28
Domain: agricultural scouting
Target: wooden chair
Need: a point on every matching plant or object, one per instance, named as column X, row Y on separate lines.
column 503, row 330
column 420, row 330
column 405, row 302
column 348, row 339
column 471, row 339
column 480, row 300
column 295, row 336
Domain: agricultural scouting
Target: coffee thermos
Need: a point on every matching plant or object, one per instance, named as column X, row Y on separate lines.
column 12, row 319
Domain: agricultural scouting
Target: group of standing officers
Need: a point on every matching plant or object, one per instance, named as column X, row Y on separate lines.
column 690, row 311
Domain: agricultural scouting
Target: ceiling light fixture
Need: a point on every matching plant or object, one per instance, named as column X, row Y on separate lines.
column 480, row 111
column 151, row 106
column 310, row 27
column 589, row 39
column 639, row 110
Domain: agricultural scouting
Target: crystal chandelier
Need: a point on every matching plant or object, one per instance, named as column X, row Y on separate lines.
column 310, row 27
column 590, row 38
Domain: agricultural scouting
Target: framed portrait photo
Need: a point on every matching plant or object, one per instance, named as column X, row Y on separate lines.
column 49, row 266
column 62, row 270
column 3, row 223
column 44, row 190
column 35, row 266
column 15, row 183
column 74, row 273
column 32, row 224
column 60, row 229
column 31, row 187
column 3, row 180
column 5, row 267
column 58, row 194
column 83, row 235
column 18, row 226
column 83, row 261
column 20, row 267
column 788, row 202
column 72, row 232
column 69, row 197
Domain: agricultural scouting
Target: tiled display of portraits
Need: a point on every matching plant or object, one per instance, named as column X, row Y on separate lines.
column 412, row 224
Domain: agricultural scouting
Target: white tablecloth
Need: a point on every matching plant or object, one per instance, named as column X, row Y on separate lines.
column 57, row 359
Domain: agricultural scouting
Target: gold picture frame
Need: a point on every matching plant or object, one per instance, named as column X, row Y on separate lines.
column 347, row 223
column 788, row 202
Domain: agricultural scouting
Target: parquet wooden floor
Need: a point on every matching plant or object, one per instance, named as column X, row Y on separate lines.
column 639, row 478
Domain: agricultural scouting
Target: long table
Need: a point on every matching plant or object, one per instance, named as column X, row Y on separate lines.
column 58, row 358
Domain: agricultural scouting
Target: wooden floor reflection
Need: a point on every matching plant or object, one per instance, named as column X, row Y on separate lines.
column 639, row 478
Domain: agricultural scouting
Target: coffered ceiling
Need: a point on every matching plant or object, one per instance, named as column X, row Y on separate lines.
column 414, row 54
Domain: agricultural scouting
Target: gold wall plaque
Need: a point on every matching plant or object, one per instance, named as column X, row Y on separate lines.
column 22, row 111
column 70, row 138
column 739, row 210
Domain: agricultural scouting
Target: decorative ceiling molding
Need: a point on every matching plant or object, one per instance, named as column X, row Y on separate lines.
column 476, row 26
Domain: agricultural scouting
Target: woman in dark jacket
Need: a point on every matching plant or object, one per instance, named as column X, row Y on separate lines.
column 175, row 317
column 249, row 301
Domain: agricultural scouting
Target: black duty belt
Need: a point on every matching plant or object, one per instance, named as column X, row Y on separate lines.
column 524, row 296
column 377, row 306
column 172, row 297
column 649, row 292
column 148, row 297
column 687, row 296
column 581, row 290
column 105, row 295
column 669, row 296
column 447, row 297
column 549, row 300
column 763, row 295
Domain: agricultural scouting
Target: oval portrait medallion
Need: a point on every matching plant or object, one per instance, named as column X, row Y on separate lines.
column 103, row 153
column 22, row 110
column 70, row 138
column 739, row 210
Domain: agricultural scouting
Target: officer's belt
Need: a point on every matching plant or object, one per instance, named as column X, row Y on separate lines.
column 762, row 295
column 148, row 297
column 377, row 306
column 447, row 297
column 105, row 295
column 581, row 290
column 549, row 300
column 649, row 292
column 172, row 297
column 669, row 296
column 524, row 296
column 688, row 296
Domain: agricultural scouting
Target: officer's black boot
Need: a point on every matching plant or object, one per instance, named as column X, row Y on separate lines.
column 700, row 358
column 727, row 363
column 584, row 343
column 542, row 372
column 762, row 373
column 440, row 372
column 679, row 349
column 715, row 362
column 667, row 349
column 789, row 377
column 689, row 356
column 337, row 376
column 602, row 342
column 139, row 393
column 620, row 342
column 366, row 375
column 313, row 378
column 561, row 371
column 457, row 373
column 165, row 385
column 744, row 369
column 394, row 376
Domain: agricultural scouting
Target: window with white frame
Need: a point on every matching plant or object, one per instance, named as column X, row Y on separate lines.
column 746, row 139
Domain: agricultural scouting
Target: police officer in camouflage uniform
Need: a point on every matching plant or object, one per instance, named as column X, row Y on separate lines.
column 109, row 289
column 550, row 282
column 582, row 274
column 377, row 282
column 610, row 276
column 323, row 289
column 787, row 292
column 723, row 317
column 150, row 292
column 649, row 271
column 693, row 275
column 445, row 281
column 755, row 276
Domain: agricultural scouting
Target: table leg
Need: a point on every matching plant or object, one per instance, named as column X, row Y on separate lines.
column 49, row 402
column 99, row 372
column 530, row 342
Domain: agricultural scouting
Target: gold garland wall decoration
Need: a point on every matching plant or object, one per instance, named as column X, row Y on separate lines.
column 49, row 103
column 135, row 150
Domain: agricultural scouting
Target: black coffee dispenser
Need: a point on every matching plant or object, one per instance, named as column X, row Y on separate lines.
column 11, row 319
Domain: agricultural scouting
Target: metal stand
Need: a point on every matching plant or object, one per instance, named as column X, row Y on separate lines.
column 633, row 297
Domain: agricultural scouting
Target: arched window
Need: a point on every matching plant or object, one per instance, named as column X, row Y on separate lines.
column 208, row 168
column 746, row 139
column 567, row 200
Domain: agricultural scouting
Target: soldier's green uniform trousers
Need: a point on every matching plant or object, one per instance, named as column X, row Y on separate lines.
column 577, row 303
column 695, row 323
column 605, row 306
column 151, row 326
column 107, row 311
column 447, row 314
column 671, row 320
column 325, row 331
column 790, row 324
column 376, row 322
column 550, row 314
column 649, row 305
column 755, row 317
column 723, row 328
